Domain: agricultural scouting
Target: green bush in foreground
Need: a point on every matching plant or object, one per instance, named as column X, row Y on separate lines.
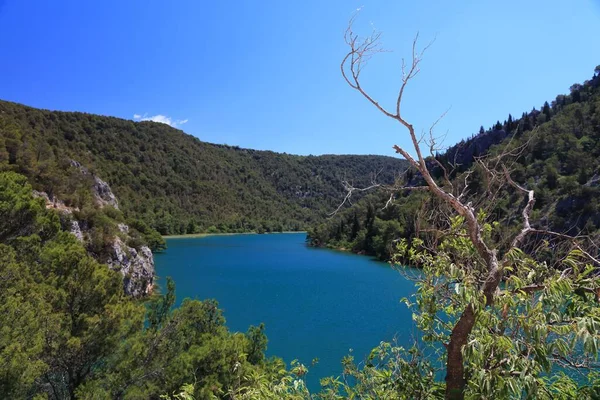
column 68, row 331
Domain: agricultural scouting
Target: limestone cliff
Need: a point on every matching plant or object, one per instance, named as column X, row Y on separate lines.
column 100, row 189
column 135, row 264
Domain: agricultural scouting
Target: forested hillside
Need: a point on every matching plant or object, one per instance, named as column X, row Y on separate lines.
column 557, row 153
column 67, row 329
column 174, row 182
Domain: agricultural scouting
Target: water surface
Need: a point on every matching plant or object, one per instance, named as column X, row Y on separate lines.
column 315, row 303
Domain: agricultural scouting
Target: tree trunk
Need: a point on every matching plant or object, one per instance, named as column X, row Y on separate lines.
column 455, row 371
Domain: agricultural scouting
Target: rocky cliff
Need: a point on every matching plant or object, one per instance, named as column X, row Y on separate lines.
column 101, row 191
column 135, row 264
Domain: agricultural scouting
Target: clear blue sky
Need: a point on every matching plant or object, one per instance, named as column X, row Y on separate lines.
column 265, row 74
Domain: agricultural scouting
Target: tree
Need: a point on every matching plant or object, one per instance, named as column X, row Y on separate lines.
column 20, row 213
column 575, row 90
column 547, row 111
column 62, row 312
column 486, row 340
column 258, row 344
column 355, row 227
column 509, row 123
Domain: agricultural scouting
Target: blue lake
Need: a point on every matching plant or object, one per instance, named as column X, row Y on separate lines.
column 315, row 303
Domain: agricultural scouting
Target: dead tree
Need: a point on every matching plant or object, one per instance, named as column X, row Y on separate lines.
column 360, row 51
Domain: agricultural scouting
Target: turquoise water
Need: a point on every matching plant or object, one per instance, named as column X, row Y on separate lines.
column 314, row 302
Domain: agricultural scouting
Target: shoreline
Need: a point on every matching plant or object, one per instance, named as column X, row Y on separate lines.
column 201, row 235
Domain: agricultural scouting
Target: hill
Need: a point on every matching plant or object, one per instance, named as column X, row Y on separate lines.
column 559, row 147
column 174, row 182
column 80, row 198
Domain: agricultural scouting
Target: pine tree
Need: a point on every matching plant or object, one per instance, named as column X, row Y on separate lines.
column 509, row 123
column 547, row 111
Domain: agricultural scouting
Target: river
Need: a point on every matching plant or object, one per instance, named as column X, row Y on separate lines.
column 315, row 303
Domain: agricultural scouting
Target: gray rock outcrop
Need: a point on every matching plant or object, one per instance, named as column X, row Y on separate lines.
column 76, row 230
column 123, row 228
column 54, row 203
column 103, row 195
column 101, row 191
column 136, row 266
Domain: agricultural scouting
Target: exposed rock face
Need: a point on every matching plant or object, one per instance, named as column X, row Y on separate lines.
column 123, row 228
column 103, row 195
column 100, row 189
column 76, row 230
column 137, row 267
column 55, row 203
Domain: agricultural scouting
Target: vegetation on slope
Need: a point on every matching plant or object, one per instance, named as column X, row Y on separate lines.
column 499, row 319
column 559, row 149
column 173, row 182
column 67, row 330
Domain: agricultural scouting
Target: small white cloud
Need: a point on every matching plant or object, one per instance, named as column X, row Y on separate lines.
column 163, row 119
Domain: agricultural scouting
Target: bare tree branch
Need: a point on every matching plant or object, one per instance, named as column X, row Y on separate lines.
column 497, row 170
column 393, row 189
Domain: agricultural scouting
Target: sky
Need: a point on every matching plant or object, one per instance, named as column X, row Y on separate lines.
column 265, row 74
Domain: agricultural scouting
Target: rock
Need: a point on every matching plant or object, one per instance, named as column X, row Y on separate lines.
column 123, row 228
column 103, row 195
column 42, row 195
column 101, row 191
column 137, row 267
column 54, row 203
column 78, row 165
column 76, row 230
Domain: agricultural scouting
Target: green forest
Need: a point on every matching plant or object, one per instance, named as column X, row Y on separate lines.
column 67, row 330
column 559, row 157
column 173, row 182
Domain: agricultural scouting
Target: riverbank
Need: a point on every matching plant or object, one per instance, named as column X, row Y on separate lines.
column 200, row 235
column 347, row 250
